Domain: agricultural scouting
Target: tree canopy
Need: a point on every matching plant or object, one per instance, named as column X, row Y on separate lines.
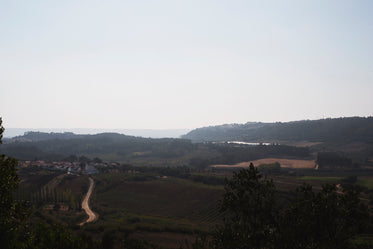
column 12, row 214
column 1, row 130
column 317, row 220
column 250, row 213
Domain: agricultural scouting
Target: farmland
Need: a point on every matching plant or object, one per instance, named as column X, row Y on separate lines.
column 147, row 204
column 144, row 205
column 285, row 163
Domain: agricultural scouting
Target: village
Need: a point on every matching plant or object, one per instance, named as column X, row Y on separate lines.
column 76, row 167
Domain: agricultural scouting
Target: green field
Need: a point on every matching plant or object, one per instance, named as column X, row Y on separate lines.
column 168, row 204
column 331, row 179
column 144, row 205
column 368, row 183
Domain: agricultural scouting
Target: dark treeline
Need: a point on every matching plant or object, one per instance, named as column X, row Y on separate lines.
column 333, row 160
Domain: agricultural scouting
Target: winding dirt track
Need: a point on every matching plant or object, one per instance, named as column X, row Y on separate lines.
column 85, row 204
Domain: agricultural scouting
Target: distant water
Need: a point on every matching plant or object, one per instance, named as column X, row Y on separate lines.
column 165, row 133
column 244, row 143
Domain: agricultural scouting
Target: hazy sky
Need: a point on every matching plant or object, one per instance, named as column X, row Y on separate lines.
column 183, row 64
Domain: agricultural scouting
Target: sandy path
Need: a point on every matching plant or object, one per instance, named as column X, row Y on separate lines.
column 85, row 204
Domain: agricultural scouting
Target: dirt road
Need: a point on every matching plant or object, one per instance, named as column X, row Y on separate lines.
column 85, row 204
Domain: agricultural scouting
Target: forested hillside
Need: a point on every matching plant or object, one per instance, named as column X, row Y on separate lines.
column 337, row 130
column 140, row 151
column 56, row 146
column 353, row 136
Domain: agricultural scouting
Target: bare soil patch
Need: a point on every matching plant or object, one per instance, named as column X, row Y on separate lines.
column 285, row 163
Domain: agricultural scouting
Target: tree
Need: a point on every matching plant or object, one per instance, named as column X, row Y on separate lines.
column 326, row 219
column 12, row 214
column 97, row 160
column 71, row 158
column 55, row 236
column 1, row 130
column 250, row 212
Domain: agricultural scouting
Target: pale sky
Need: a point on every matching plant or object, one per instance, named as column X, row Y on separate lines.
column 183, row 64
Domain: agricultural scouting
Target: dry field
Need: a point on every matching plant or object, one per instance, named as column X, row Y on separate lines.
column 285, row 163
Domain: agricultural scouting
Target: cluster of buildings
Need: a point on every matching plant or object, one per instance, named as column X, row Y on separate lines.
column 69, row 167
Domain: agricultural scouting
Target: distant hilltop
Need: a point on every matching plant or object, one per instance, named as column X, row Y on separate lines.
column 340, row 138
column 40, row 136
column 338, row 130
column 151, row 133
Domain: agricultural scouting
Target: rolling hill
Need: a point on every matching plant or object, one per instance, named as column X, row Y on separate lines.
column 339, row 130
